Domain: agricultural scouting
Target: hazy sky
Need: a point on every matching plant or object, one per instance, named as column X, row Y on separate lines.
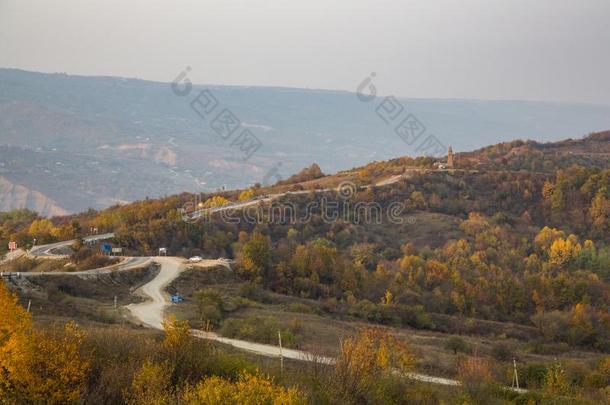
column 556, row 50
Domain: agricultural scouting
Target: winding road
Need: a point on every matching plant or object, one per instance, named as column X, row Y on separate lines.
column 151, row 313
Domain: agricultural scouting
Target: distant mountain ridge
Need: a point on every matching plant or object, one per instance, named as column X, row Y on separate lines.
column 93, row 141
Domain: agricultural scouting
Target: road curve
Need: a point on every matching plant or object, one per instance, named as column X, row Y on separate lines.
column 45, row 251
column 151, row 312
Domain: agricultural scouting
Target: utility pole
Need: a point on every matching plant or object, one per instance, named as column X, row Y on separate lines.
column 29, row 305
column 115, row 301
column 279, row 336
column 515, row 375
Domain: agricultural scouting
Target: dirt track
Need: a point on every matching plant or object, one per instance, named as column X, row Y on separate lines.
column 151, row 312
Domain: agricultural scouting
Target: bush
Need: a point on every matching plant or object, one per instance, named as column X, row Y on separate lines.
column 248, row 389
column 476, row 377
column 415, row 316
column 209, row 305
column 533, row 375
column 254, row 292
column 366, row 368
column 502, row 351
column 457, row 344
column 259, row 329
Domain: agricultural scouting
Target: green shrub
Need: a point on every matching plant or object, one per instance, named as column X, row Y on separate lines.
column 259, row 329
column 501, row 351
column 457, row 344
column 415, row 316
column 533, row 375
column 254, row 292
column 209, row 305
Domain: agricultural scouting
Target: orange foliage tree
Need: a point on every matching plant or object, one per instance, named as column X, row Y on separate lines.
column 366, row 358
column 35, row 366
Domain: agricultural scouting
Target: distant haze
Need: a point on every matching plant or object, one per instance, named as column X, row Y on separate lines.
column 555, row 50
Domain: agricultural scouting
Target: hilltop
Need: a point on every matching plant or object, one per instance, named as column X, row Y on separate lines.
column 590, row 151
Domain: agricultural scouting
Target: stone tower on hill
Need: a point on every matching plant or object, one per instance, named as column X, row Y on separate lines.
column 450, row 158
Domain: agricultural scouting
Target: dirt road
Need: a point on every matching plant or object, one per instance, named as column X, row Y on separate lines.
column 151, row 312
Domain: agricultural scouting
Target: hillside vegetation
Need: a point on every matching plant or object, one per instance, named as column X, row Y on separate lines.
column 511, row 247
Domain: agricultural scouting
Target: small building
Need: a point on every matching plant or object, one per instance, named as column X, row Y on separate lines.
column 450, row 158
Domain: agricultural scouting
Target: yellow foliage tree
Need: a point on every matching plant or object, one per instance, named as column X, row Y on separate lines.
column 180, row 349
column 37, row 367
column 562, row 251
column 600, row 212
column 15, row 323
column 215, row 202
column 546, row 237
column 388, row 298
column 581, row 323
column 248, row 389
column 555, row 381
column 255, row 257
column 246, row 194
column 475, row 224
column 366, row 358
column 49, row 367
column 177, row 333
column 43, row 230
column 150, row 385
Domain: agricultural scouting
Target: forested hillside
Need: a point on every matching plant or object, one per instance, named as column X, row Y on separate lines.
column 511, row 243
